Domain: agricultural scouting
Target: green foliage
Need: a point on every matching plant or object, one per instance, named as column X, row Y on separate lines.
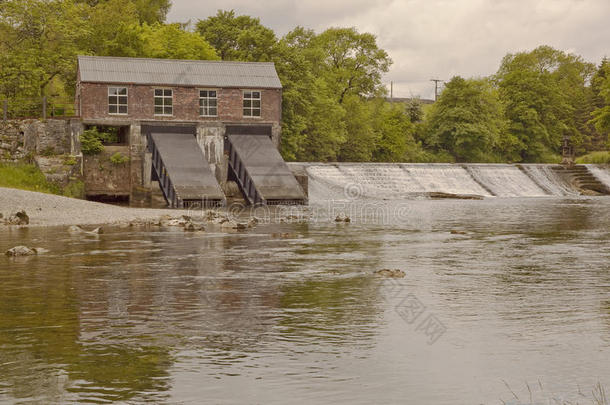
column 69, row 160
column 118, row 159
column 599, row 157
column 91, row 141
column 25, row 177
column 39, row 41
column 238, row 37
column 544, row 92
column 169, row 41
column 74, row 189
column 468, row 121
column 601, row 88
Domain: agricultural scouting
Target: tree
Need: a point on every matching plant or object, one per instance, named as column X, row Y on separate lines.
column 395, row 133
column 351, row 62
column 147, row 11
column 544, row 91
column 238, row 37
column 468, row 121
column 39, row 42
column 166, row 41
column 600, row 85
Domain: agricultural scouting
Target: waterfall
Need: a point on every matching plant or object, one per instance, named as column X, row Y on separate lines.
column 342, row 181
column 601, row 173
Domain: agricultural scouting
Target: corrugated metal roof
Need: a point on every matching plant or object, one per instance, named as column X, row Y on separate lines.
column 201, row 73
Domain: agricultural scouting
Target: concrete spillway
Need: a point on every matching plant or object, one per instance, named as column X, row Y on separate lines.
column 405, row 180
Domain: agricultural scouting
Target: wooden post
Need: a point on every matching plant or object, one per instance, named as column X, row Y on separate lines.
column 44, row 108
column 5, row 108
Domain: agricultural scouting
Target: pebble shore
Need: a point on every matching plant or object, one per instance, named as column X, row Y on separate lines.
column 53, row 210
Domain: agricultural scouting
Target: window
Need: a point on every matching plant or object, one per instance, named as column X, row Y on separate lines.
column 163, row 102
column 208, row 103
column 117, row 100
column 252, row 103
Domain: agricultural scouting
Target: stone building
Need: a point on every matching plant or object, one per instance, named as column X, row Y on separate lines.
column 210, row 99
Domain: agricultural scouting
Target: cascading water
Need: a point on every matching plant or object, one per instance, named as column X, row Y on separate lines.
column 601, row 173
column 410, row 180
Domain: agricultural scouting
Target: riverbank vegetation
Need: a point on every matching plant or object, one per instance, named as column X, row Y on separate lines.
column 26, row 176
column 334, row 105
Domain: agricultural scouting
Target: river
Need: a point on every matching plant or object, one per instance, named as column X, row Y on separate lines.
column 515, row 300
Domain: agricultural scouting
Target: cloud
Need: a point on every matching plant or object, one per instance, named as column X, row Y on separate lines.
column 436, row 38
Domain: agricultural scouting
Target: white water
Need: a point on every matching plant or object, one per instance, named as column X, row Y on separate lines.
column 601, row 173
column 391, row 181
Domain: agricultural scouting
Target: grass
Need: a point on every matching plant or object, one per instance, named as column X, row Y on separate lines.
column 27, row 176
column 601, row 157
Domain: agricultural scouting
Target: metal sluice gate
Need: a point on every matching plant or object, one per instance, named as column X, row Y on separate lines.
column 187, row 181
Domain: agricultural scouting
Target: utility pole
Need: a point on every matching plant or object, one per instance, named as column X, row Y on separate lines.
column 436, row 82
column 391, row 92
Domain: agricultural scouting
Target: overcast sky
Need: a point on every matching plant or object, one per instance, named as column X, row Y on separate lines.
column 435, row 38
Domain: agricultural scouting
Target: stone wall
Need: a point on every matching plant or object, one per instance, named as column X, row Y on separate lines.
column 102, row 177
column 19, row 138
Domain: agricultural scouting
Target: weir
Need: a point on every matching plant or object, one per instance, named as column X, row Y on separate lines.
column 408, row 180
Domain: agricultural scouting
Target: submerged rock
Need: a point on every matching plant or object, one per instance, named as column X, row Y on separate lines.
column 456, row 232
column 21, row 251
column 440, row 195
column 391, row 273
column 193, row 227
column 75, row 229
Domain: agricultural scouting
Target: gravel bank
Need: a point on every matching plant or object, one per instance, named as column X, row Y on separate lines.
column 53, row 210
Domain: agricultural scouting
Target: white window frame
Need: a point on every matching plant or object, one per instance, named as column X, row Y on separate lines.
column 163, row 106
column 118, row 103
column 251, row 108
column 204, row 111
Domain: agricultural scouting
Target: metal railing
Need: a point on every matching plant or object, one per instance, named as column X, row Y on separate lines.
column 36, row 107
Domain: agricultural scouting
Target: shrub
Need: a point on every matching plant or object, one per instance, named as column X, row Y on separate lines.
column 91, row 142
column 118, row 159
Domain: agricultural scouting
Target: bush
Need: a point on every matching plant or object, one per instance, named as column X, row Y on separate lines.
column 600, row 157
column 118, row 159
column 91, row 142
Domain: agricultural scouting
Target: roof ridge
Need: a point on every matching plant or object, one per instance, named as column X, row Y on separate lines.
column 174, row 60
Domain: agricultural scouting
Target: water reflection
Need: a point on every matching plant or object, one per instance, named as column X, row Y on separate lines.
column 291, row 310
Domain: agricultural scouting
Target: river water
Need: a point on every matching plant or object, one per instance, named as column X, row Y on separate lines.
column 513, row 307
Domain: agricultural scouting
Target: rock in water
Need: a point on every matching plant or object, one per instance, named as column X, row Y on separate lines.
column 21, row 251
column 392, row 273
column 342, row 218
column 19, row 218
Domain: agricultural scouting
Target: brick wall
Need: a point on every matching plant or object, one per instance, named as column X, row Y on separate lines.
column 94, row 104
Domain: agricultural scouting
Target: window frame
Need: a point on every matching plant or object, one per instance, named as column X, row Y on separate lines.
column 208, row 98
column 251, row 108
column 163, row 97
column 118, row 104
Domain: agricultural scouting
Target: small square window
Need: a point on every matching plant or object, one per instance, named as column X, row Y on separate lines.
column 208, row 103
column 163, row 102
column 117, row 100
column 252, row 103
